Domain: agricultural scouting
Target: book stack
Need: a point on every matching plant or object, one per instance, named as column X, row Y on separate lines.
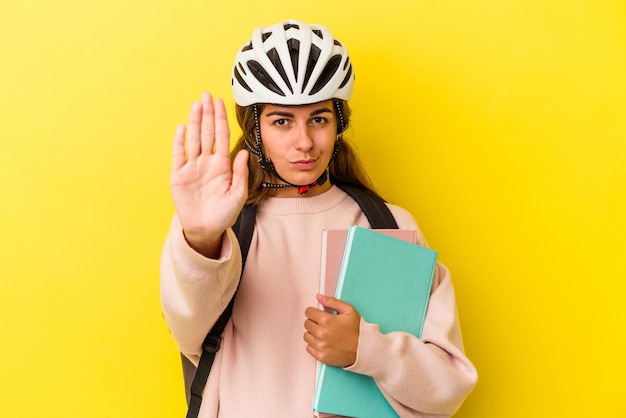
column 387, row 277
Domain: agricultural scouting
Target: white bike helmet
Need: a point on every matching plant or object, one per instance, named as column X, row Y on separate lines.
column 292, row 63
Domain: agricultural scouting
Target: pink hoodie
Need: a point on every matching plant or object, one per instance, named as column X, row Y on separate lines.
column 263, row 369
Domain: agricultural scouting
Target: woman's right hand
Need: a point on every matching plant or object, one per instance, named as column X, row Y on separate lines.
column 208, row 193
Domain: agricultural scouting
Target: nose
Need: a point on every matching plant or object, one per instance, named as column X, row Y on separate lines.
column 303, row 139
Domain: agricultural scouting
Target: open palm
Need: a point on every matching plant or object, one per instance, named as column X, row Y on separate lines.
column 208, row 192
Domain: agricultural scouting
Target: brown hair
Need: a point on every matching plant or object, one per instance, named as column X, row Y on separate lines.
column 345, row 168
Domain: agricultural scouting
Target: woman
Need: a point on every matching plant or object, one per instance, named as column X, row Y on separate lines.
column 291, row 83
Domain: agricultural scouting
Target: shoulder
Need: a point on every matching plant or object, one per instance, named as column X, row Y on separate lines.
column 405, row 220
column 402, row 216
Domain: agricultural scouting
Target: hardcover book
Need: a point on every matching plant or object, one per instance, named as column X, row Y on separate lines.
column 388, row 281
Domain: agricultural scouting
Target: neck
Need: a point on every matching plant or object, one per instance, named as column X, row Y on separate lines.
column 294, row 192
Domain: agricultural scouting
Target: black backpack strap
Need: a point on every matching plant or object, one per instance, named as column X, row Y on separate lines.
column 372, row 205
column 243, row 229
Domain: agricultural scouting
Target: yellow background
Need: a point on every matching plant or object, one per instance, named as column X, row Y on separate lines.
column 499, row 124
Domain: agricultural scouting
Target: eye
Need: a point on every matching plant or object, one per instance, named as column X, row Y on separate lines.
column 318, row 120
column 281, row 122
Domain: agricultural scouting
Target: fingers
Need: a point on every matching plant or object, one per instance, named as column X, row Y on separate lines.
column 222, row 132
column 332, row 339
column 313, row 316
column 207, row 130
column 193, row 131
column 310, row 336
column 334, row 304
column 239, row 180
column 214, row 131
column 178, row 153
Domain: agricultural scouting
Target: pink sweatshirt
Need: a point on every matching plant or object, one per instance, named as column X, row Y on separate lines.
column 263, row 369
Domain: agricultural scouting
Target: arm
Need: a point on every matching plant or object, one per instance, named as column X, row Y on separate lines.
column 196, row 289
column 429, row 375
column 199, row 265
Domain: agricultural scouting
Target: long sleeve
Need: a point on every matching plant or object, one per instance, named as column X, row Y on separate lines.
column 430, row 376
column 195, row 289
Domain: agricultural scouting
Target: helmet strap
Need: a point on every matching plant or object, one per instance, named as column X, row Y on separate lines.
column 341, row 126
column 302, row 189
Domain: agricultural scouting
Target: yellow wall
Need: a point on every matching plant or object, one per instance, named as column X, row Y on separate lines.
column 499, row 124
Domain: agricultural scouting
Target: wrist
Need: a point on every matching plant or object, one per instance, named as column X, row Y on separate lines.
column 207, row 245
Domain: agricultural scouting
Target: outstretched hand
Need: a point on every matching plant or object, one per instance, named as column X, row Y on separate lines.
column 208, row 192
column 332, row 339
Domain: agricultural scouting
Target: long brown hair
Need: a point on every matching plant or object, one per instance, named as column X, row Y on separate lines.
column 345, row 168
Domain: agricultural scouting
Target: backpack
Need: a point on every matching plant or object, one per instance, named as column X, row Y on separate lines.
column 379, row 217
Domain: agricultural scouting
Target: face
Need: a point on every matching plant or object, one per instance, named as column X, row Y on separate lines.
column 300, row 141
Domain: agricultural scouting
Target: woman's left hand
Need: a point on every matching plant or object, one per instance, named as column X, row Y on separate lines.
column 332, row 339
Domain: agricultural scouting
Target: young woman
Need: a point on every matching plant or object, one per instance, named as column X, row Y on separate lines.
column 291, row 83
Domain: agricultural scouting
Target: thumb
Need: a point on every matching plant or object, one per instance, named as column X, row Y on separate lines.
column 240, row 165
column 334, row 304
column 240, row 174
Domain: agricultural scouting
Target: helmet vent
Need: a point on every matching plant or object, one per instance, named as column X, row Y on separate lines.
column 313, row 56
column 345, row 80
column 275, row 59
column 327, row 74
column 318, row 33
column 263, row 77
column 265, row 36
column 294, row 53
column 240, row 80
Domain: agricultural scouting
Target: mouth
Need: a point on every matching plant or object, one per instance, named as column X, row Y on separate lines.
column 305, row 164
